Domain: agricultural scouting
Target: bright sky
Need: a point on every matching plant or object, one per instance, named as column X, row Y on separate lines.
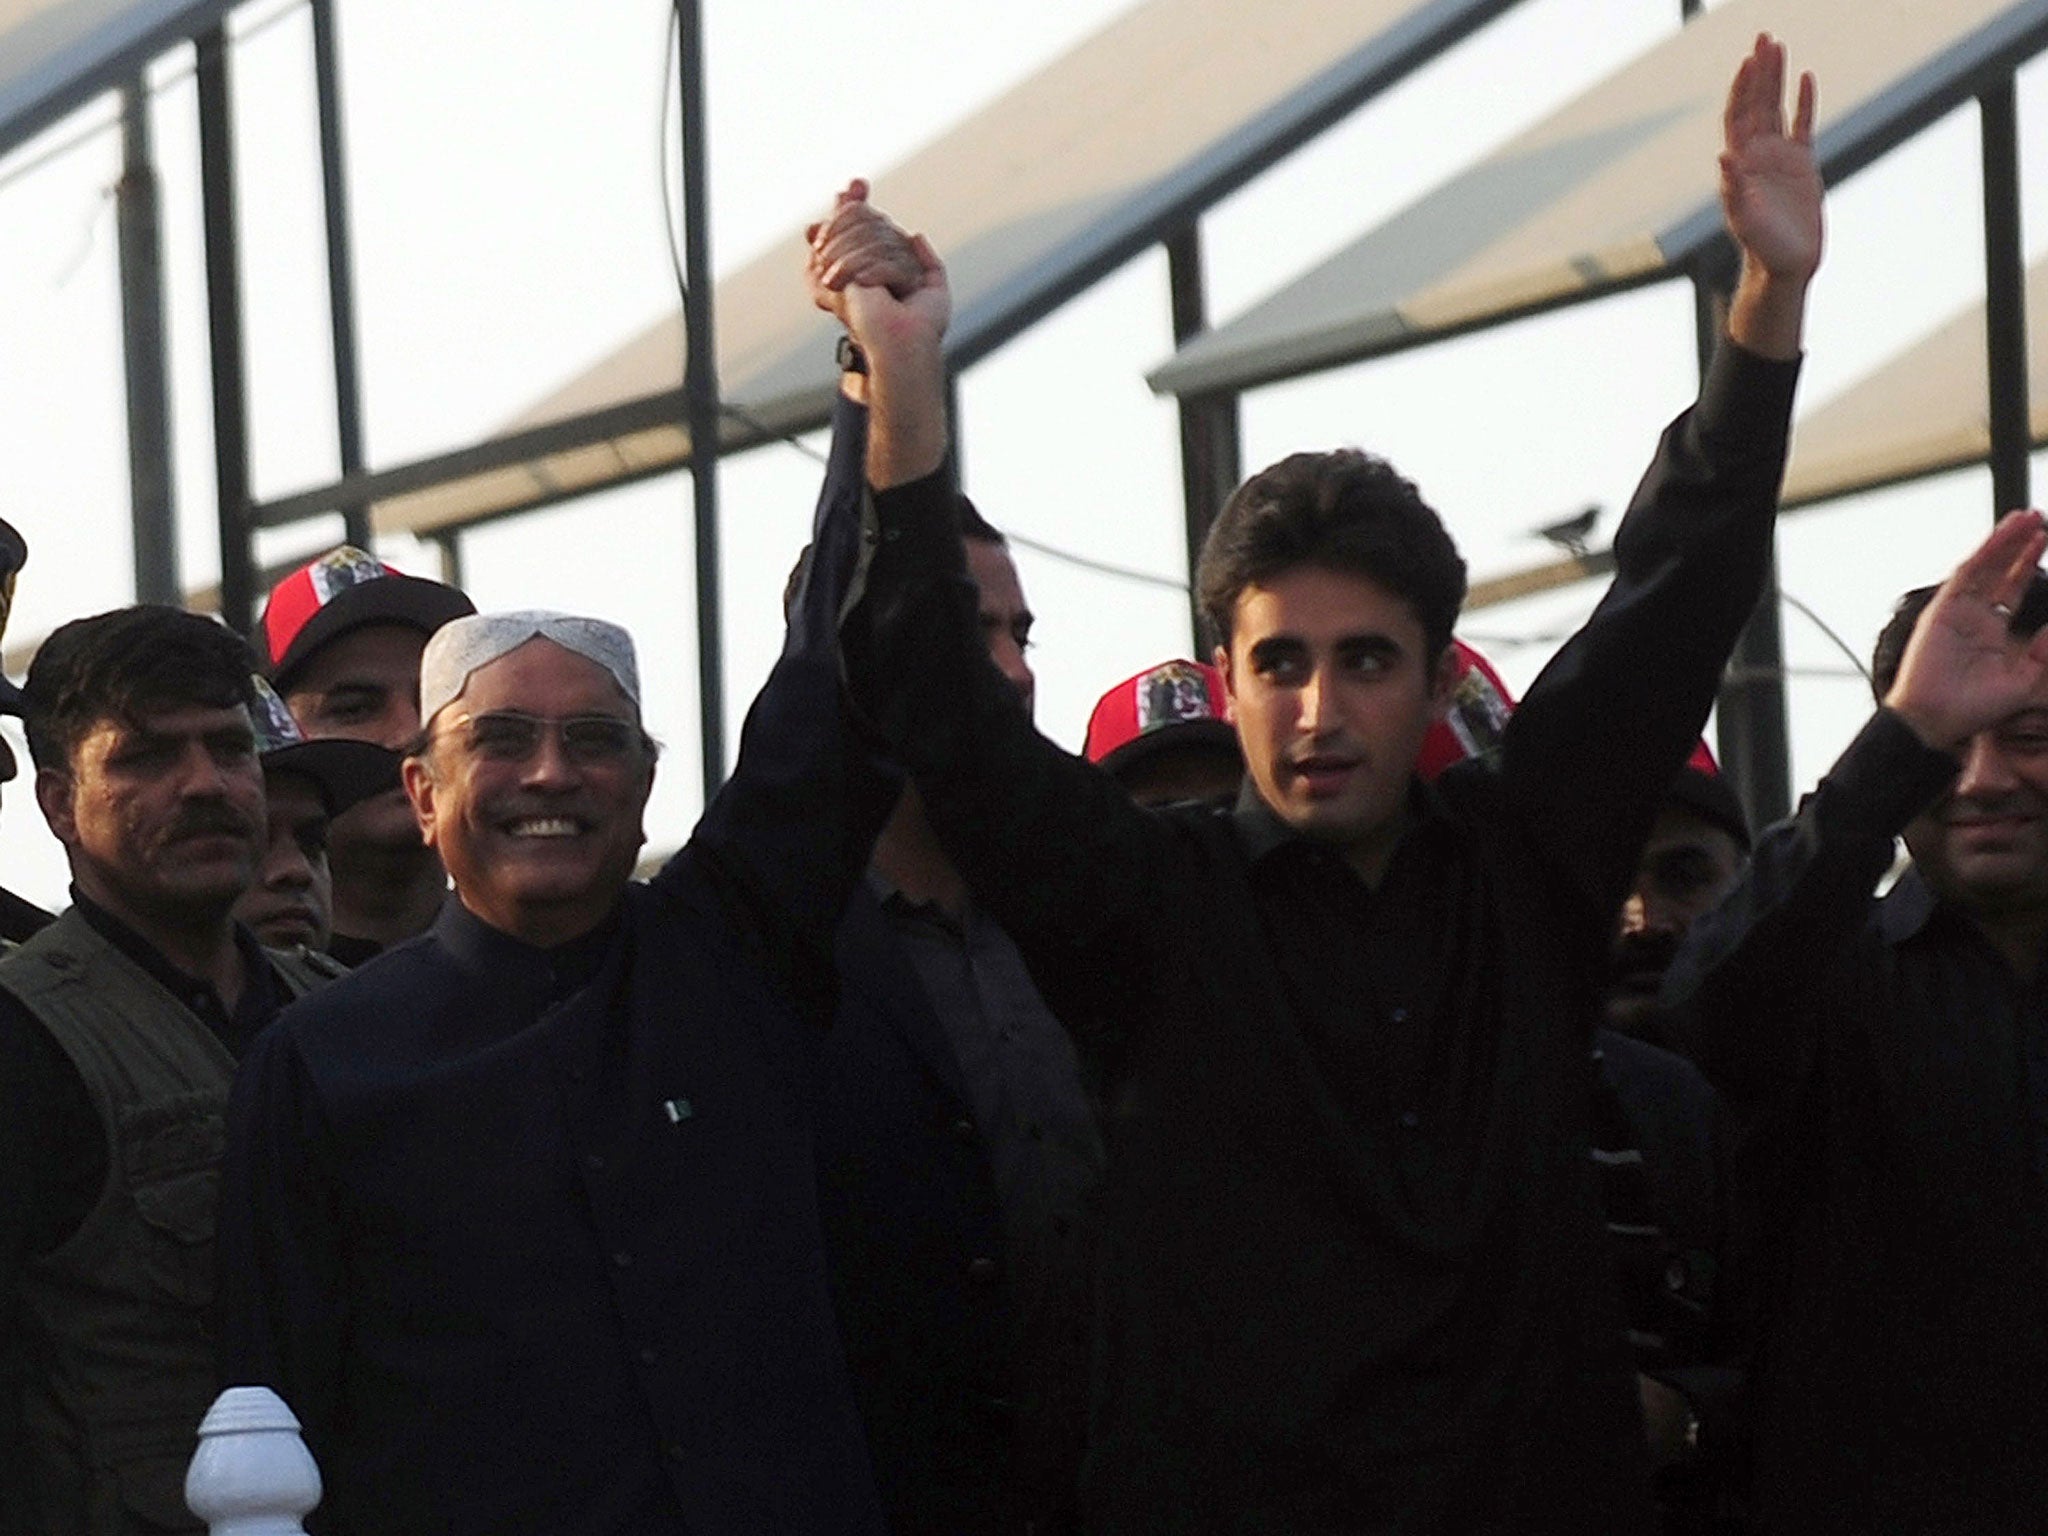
column 504, row 159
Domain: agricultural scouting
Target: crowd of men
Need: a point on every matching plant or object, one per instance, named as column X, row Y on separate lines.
column 1344, row 1099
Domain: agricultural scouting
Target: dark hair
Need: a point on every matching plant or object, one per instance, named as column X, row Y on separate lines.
column 975, row 528
column 126, row 664
column 967, row 517
column 1347, row 511
column 1890, row 649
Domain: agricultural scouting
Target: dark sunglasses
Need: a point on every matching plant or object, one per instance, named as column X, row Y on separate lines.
column 511, row 736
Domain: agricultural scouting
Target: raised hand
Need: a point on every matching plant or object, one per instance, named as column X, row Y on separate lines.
column 1770, row 186
column 1771, row 198
column 1963, row 670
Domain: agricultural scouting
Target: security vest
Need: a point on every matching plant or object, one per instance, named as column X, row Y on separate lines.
column 123, row 1352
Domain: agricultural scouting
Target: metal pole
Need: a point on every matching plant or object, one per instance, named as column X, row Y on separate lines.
column 224, row 329
column 450, row 544
column 700, row 390
column 1211, row 456
column 137, row 213
column 1752, row 730
column 956, row 459
column 341, row 294
column 2005, row 301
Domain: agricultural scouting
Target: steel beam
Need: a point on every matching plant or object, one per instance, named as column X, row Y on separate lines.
column 2005, row 301
column 700, row 389
column 224, row 330
column 1211, row 451
column 138, row 217
column 341, row 293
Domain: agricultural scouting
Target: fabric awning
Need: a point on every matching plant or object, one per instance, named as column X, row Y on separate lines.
column 1615, row 189
column 1050, row 187
column 55, row 55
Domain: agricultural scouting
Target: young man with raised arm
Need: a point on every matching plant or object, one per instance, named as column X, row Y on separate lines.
column 1353, row 1276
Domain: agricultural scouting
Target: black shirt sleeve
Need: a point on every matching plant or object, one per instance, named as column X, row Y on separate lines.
column 786, row 838
column 1050, row 845
column 1592, row 748
column 1742, row 987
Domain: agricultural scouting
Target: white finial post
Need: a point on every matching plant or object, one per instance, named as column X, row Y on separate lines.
column 252, row 1474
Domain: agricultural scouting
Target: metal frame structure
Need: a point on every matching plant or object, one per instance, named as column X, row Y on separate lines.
column 1277, row 340
column 1401, row 37
column 695, row 425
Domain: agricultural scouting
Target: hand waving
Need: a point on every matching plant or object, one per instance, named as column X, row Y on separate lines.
column 1963, row 671
column 1770, row 185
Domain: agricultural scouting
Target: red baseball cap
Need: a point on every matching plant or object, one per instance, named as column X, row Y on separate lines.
column 1174, row 704
column 1471, row 725
column 346, row 589
column 1701, row 789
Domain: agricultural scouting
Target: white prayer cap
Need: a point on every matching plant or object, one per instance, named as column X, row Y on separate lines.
column 460, row 646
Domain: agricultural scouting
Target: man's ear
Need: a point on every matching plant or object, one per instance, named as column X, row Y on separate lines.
column 646, row 789
column 1445, row 681
column 1221, row 662
column 53, row 798
column 418, row 780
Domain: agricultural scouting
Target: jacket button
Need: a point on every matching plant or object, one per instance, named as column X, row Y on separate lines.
column 622, row 1259
column 647, row 1355
column 594, row 1161
column 963, row 1130
column 981, row 1270
column 1674, row 1275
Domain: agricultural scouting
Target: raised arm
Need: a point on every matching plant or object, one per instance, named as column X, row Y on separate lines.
column 1598, row 737
column 1052, row 847
column 788, row 836
column 1757, row 976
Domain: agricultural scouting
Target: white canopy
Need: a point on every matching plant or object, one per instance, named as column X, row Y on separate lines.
column 56, row 55
column 1615, row 189
column 1055, row 184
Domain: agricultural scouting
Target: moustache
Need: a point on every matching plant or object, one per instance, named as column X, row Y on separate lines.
column 210, row 821
column 1642, row 954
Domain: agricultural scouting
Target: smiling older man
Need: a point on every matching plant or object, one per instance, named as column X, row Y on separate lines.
column 526, row 1224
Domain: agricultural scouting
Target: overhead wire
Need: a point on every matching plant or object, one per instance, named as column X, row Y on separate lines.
column 673, row 237
column 1855, row 669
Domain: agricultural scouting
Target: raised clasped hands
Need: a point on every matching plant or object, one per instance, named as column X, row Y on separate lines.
column 864, row 270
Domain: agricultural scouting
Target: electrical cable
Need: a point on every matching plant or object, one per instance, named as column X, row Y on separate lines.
column 789, row 439
column 1855, row 669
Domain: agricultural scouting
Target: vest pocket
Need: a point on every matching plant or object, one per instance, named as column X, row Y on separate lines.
column 177, row 1220
column 171, row 1152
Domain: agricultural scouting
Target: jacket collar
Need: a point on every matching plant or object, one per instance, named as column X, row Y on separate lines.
column 486, row 951
column 1261, row 833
